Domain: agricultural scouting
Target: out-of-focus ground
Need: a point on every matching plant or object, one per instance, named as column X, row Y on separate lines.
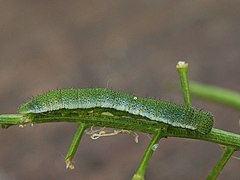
column 131, row 46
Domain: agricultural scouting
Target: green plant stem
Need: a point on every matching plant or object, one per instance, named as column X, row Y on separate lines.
column 216, row 94
column 182, row 68
column 221, row 163
column 212, row 93
column 132, row 123
column 139, row 175
column 11, row 119
column 75, row 143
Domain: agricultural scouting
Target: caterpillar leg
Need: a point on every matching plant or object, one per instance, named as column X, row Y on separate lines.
column 73, row 148
column 139, row 175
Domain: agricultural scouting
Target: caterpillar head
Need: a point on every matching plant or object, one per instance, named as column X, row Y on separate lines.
column 206, row 122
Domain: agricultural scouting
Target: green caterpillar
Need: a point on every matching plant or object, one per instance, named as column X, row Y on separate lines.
column 155, row 110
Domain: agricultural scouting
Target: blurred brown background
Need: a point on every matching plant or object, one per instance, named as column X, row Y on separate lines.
column 131, row 46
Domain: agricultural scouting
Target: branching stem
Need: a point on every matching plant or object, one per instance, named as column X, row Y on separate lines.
column 212, row 93
column 216, row 94
column 182, row 68
column 75, row 143
column 221, row 163
column 139, row 175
